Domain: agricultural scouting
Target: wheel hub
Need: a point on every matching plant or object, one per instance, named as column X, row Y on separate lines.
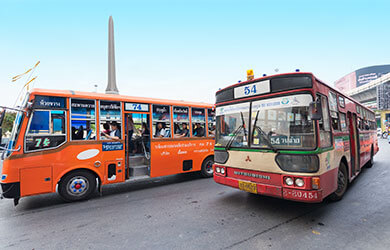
column 77, row 185
column 209, row 167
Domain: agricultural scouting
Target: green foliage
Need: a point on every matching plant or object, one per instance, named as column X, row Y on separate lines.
column 8, row 121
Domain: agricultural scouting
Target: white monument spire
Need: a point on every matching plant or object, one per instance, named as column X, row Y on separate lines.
column 111, row 84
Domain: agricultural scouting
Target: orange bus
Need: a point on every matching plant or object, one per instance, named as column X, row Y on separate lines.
column 76, row 142
column 291, row 136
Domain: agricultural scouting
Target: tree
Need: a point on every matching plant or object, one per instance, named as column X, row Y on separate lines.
column 8, row 121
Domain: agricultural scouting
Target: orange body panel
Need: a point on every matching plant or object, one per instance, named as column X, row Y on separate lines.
column 168, row 155
column 40, row 172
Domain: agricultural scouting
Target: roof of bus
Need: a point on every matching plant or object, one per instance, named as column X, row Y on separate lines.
column 113, row 97
column 295, row 73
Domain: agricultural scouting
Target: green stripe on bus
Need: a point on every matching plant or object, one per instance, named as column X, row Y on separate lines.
column 345, row 137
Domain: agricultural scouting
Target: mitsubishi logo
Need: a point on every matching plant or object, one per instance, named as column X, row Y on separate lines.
column 247, row 158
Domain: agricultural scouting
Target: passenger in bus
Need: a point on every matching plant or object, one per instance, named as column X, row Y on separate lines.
column 184, row 132
column 160, row 130
column 80, row 133
column 106, row 127
column 115, row 133
column 145, row 136
column 73, row 133
column 198, row 130
column 130, row 133
column 212, row 130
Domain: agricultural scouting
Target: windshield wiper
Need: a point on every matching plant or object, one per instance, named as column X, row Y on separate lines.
column 263, row 134
column 235, row 133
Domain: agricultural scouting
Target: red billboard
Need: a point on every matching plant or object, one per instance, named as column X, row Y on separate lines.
column 346, row 83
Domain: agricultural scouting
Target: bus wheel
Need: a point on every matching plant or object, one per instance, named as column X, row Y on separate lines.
column 342, row 183
column 77, row 185
column 207, row 167
column 371, row 162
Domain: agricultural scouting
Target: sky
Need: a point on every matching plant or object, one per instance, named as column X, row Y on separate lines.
column 186, row 50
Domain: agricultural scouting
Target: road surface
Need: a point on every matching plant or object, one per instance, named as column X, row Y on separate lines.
column 189, row 212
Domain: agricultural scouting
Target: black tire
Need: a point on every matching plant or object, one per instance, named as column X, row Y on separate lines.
column 384, row 135
column 207, row 167
column 370, row 163
column 342, row 183
column 76, row 186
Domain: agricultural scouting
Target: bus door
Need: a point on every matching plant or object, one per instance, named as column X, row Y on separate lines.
column 137, row 144
column 354, row 143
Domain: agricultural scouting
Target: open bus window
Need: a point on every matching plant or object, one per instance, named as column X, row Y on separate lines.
column 161, row 121
column 83, row 119
column 110, row 120
column 211, row 122
column 181, row 122
column 47, row 129
column 198, row 119
column 335, row 120
column 343, row 123
column 324, row 124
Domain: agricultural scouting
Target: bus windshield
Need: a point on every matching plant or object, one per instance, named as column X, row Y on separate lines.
column 280, row 122
column 16, row 124
column 232, row 125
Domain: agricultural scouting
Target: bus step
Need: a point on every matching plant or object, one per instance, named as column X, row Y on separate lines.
column 137, row 160
column 139, row 170
column 138, row 178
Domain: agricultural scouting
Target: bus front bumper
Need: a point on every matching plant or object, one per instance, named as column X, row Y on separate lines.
column 10, row 190
column 311, row 196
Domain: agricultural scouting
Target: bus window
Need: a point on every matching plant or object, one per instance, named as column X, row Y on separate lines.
column 161, row 121
column 47, row 130
column 110, row 120
column 335, row 120
column 343, row 123
column 198, row 122
column 211, row 122
column 324, row 124
column 181, row 122
column 83, row 119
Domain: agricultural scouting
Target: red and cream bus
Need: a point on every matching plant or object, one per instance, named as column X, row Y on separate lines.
column 76, row 142
column 291, row 136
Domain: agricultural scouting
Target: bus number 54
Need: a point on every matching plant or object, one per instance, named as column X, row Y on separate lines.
column 250, row 90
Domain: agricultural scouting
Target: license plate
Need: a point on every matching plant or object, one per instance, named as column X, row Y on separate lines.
column 247, row 186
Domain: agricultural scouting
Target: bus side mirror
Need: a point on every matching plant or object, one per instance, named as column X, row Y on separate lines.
column 315, row 110
column 29, row 108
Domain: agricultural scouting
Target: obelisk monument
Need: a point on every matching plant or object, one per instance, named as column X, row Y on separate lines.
column 111, row 84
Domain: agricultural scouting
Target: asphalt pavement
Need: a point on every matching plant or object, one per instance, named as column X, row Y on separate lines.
column 189, row 212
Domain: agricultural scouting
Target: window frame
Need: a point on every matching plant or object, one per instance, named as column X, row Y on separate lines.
column 170, row 121
column 320, row 95
column 188, row 125
column 121, row 115
column 26, row 133
column 214, row 123
column 205, row 123
column 70, row 117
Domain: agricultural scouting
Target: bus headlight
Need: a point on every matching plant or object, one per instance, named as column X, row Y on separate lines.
column 299, row 182
column 289, row 181
column 222, row 170
column 298, row 163
column 218, row 170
